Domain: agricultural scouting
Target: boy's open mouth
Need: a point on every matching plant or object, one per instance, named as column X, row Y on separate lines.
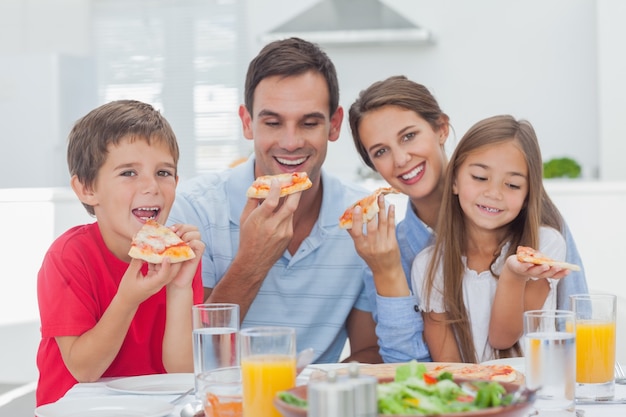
column 146, row 213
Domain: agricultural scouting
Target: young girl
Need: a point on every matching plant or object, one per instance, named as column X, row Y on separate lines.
column 474, row 289
column 400, row 131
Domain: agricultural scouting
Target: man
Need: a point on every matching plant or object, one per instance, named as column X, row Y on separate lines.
column 284, row 260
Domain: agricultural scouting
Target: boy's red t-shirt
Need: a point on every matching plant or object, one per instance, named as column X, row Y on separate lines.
column 77, row 281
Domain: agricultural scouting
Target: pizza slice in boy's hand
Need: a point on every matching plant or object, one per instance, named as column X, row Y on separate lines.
column 289, row 184
column 369, row 205
column 530, row 255
column 155, row 242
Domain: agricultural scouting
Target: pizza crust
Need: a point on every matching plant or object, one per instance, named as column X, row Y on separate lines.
column 369, row 206
column 289, row 183
column 533, row 256
column 155, row 242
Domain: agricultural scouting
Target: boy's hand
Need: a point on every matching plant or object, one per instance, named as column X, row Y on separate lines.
column 135, row 288
column 191, row 235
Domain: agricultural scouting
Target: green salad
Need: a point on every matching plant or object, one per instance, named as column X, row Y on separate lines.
column 415, row 392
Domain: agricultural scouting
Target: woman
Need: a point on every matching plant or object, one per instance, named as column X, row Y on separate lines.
column 400, row 131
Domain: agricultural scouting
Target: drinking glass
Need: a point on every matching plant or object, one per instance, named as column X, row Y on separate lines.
column 549, row 348
column 595, row 345
column 268, row 365
column 215, row 338
column 221, row 392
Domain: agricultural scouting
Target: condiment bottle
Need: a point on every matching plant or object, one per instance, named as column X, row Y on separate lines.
column 333, row 397
column 365, row 395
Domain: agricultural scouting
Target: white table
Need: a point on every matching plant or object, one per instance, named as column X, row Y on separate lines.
column 97, row 389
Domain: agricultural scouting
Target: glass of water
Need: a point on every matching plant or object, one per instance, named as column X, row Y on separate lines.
column 550, row 351
column 215, row 338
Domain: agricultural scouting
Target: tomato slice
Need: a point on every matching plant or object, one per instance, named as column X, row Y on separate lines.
column 465, row 398
column 429, row 379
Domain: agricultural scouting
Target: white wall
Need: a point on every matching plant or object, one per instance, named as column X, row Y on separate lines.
column 533, row 59
column 536, row 59
column 32, row 218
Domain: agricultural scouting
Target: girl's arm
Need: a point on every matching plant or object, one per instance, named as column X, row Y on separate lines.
column 517, row 292
column 506, row 322
column 440, row 338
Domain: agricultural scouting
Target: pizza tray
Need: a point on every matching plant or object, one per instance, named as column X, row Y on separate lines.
column 458, row 370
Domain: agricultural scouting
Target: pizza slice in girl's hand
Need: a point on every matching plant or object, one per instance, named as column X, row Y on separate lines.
column 369, row 206
column 155, row 242
column 530, row 255
column 289, row 183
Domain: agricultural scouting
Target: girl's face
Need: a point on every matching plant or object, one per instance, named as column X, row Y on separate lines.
column 492, row 185
column 405, row 149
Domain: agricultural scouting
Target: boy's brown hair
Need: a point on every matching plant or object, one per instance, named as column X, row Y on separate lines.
column 108, row 124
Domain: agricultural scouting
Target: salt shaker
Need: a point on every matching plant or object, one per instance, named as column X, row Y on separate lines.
column 333, row 397
column 365, row 396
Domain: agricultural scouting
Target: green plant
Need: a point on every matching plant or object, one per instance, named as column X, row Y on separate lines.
column 561, row 168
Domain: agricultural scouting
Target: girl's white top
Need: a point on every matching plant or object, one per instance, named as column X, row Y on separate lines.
column 479, row 288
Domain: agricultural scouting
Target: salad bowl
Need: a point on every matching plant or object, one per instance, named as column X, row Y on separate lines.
column 518, row 409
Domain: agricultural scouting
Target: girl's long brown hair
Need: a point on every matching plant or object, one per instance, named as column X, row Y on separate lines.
column 451, row 239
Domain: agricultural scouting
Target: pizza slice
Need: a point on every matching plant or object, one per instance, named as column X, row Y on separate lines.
column 289, row 183
column 155, row 242
column 530, row 255
column 369, row 205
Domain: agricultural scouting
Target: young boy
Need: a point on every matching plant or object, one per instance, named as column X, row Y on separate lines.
column 104, row 314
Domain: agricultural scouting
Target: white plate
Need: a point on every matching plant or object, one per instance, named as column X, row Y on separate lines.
column 112, row 406
column 153, row 384
column 516, row 363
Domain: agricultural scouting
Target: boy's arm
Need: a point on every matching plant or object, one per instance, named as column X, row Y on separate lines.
column 177, row 340
column 89, row 355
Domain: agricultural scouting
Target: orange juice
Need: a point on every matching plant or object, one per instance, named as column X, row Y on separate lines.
column 595, row 351
column 226, row 406
column 263, row 376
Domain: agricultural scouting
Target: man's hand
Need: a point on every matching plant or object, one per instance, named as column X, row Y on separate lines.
column 267, row 228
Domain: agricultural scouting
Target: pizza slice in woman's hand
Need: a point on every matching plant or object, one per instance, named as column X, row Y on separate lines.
column 369, row 207
column 530, row 255
column 155, row 242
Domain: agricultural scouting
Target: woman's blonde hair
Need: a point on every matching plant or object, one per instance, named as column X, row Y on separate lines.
column 451, row 239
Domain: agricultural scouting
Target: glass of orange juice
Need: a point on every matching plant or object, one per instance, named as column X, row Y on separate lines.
column 268, row 365
column 595, row 345
column 220, row 390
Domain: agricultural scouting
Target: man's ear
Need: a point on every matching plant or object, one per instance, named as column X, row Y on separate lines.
column 246, row 122
column 84, row 193
column 335, row 124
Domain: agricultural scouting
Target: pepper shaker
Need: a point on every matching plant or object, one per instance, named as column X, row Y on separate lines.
column 333, row 397
column 365, row 395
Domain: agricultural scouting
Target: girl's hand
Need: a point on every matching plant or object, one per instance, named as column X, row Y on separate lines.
column 527, row 270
